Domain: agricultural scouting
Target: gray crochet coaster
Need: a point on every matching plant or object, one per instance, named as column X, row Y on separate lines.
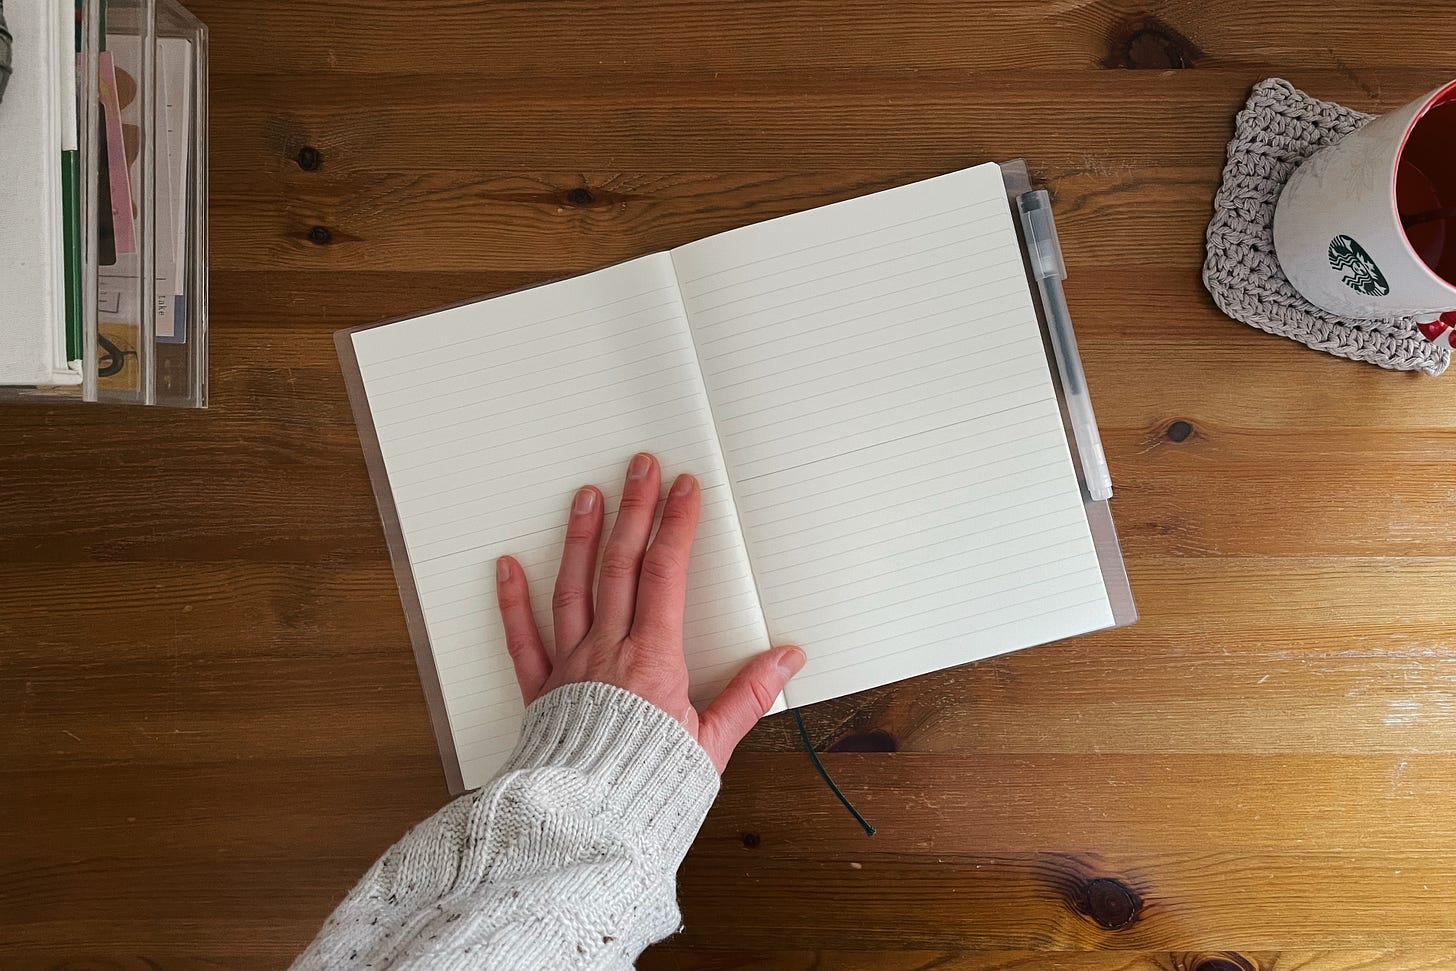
column 1280, row 127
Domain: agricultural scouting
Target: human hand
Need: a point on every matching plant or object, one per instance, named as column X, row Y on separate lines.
column 631, row 635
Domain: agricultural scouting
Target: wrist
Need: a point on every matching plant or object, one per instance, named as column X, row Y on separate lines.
column 657, row 781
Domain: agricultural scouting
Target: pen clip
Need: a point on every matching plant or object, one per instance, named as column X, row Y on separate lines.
column 1041, row 235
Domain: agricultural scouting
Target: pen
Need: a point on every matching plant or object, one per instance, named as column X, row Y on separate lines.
column 1047, row 266
column 70, row 184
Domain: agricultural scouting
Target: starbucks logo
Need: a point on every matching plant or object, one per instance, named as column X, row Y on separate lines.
column 1359, row 271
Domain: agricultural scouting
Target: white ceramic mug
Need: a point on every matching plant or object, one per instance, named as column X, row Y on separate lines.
column 1366, row 227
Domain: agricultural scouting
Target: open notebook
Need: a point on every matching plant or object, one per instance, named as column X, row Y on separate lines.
column 862, row 390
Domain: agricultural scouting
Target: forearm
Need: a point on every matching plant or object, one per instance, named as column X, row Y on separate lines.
column 566, row 860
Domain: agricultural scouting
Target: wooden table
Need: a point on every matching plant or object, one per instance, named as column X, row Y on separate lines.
column 210, row 721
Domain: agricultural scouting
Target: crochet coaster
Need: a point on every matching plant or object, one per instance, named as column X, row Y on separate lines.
column 1280, row 127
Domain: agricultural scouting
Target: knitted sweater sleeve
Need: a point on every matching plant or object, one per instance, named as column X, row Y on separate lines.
column 567, row 859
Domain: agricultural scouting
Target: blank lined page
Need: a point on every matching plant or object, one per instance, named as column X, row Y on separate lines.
column 491, row 415
column 890, row 426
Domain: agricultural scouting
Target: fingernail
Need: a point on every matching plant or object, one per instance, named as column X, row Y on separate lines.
column 641, row 462
column 791, row 662
column 682, row 486
column 585, row 499
column 502, row 570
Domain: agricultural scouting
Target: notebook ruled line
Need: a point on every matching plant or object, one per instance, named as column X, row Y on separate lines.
column 876, row 282
column 837, row 325
column 1023, row 357
column 391, row 362
column 897, row 628
column 923, row 582
column 956, row 228
column 683, row 283
column 915, row 257
column 463, row 363
column 963, row 484
column 977, row 632
column 655, row 407
column 483, row 403
column 967, row 436
column 939, row 526
column 609, row 419
column 872, row 445
column 960, row 323
column 929, row 585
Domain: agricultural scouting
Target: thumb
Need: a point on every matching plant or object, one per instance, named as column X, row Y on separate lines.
column 744, row 701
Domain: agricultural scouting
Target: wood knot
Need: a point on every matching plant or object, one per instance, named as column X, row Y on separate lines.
column 320, row 236
column 751, row 841
column 1147, row 44
column 1178, row 431
column 1110, row 903
column 309, row 159
column 581, row 197
column 874, row 740
column 1221, row 962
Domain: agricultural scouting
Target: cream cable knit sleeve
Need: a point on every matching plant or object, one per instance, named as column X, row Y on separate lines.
column 567, row 859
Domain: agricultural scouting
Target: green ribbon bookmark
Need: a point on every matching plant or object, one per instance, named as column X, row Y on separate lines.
column 814, row 757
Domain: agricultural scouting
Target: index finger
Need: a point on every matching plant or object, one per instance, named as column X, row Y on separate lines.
column 663, row 586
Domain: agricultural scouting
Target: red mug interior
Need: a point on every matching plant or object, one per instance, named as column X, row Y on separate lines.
column 1425, row 185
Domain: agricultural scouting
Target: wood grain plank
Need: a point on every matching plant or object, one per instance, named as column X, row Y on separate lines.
column 229, row 809
column 749, row 123
column 670, row 955
column 568, row 38
column 1396, row 697
column 1035, row 902
column 199, row 943
column 548, row 221
column 1137, row 805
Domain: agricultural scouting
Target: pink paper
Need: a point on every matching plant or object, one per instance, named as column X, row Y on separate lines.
column 121, row 211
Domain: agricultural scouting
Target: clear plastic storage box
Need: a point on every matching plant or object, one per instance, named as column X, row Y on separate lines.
column 140, row 263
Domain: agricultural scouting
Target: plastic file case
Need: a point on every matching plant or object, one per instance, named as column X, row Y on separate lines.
column 1042, row 255
column 133, row 224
